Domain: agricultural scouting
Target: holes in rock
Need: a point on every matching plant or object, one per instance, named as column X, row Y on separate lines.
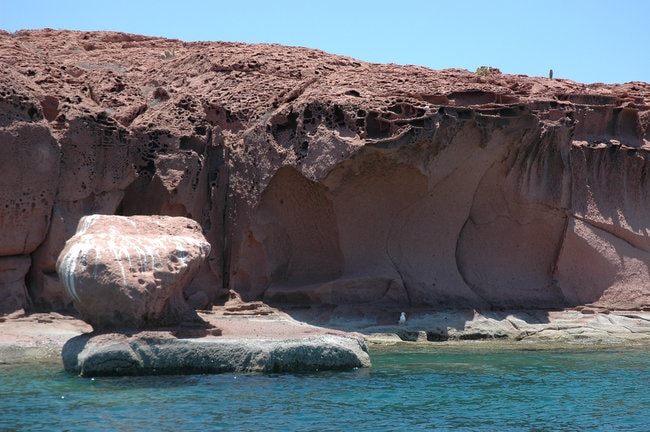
column 473, row 97
column 465, row 114
column 437, row 336
column 417, row 123
column 339, row 115
column 307, row 114
column 193, row 143
column 160, row 94
column 406, row 110
column 587, row 99
column 50, row 106
column 302, row 151
column 510, row 112
column 117, row 87
column 185, row 103
column 288, row 126
column 377, row 127
column 32, row 113
column 408, row 336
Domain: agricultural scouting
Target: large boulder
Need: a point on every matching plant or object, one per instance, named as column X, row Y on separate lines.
column 160, row 353
column 129, row 272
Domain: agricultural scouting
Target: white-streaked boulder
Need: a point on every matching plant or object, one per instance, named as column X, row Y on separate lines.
column 129, row 272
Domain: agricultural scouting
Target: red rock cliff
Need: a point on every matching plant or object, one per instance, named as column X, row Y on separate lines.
column 320, row 179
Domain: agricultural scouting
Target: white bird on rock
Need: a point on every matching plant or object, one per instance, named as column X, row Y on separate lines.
column 402, row 319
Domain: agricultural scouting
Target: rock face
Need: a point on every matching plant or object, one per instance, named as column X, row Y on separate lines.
column 130, row 271
column 322, row 180
column 12, row 282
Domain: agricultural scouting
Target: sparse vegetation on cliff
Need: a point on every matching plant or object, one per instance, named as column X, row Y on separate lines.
column 483, row 71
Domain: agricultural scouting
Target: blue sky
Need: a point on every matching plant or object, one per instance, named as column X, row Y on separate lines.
column 583, row 40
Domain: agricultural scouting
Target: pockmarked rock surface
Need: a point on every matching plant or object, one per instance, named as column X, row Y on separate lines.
column 129, row 272
column 321, row 180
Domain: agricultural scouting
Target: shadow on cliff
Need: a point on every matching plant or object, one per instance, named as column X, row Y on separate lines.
column 422, row 323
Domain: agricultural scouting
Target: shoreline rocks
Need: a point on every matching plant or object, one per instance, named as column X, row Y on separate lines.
column 237, row 337
column 265, row 339
column 161, row 353
column 524, row 327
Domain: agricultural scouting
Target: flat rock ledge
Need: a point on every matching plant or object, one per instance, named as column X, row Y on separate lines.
column 162, row 353
column 590, row 326
column 237, row 337
column 257, row 338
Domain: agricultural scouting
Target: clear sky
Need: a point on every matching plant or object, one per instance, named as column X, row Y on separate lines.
column 583, row 40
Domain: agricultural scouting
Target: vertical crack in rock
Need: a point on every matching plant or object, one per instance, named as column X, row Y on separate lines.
column 558, row 253
column 458, row 251
column 394, row 263
column 505, row 250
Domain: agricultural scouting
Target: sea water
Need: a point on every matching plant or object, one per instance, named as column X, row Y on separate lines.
column 472, row 387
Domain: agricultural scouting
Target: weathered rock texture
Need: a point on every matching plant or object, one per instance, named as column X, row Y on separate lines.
column 320, row 179
column 130, row 271
column 159, row 354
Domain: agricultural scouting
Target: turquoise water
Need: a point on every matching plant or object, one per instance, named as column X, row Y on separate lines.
column 411, row 389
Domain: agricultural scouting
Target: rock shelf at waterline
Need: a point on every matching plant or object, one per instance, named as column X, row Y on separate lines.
column 41, row 337
column 338, row 191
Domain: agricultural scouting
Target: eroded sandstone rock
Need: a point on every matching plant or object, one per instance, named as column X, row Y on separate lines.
column 29, row 163
column 129, row 272
column 319, row 179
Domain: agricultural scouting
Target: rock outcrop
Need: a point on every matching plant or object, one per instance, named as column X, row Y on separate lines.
column 129, row 272
column 159, row 354
column 322, row 180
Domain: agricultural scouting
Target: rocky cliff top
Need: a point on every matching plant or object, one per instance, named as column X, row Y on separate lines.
column 156, row 87
column 141, row 80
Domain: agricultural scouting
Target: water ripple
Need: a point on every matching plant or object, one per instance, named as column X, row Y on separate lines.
column 435, row 389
